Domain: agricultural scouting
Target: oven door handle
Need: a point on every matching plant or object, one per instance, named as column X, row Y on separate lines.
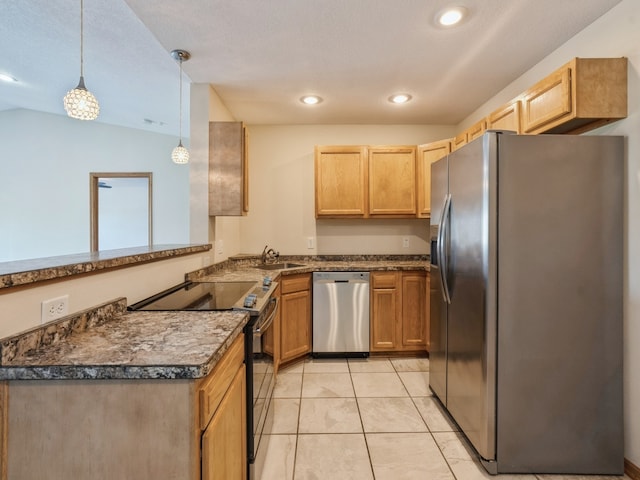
column 264, row 326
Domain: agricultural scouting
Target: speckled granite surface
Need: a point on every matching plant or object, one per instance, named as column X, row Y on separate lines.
column 246, row 267
column 23, row 272
column 108, row 343
column 136, row 345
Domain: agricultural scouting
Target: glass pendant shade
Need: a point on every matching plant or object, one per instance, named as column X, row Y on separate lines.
column 80, row 103
column 180, row 154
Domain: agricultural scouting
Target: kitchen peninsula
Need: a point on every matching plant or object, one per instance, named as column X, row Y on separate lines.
column 106, row 393
column 109, row 394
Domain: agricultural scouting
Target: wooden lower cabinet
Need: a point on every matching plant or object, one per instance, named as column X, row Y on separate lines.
column 295, row 317
column 191, row 429
column 399, row 311
column 414, row 311
column 224, row 440
column 385, row 310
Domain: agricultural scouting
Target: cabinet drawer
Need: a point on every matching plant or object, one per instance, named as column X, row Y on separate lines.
column 215, row 385
column 295, row 283
column 384, row 279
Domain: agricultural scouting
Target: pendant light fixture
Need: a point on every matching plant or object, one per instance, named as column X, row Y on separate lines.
column 80, row 103
column 180, row 154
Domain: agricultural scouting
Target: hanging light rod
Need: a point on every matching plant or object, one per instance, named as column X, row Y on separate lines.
column 180, row 154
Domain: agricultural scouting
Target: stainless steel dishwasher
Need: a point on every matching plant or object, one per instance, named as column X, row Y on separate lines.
column 340, row 314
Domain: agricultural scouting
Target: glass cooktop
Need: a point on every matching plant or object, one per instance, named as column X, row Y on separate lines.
column 198, row 296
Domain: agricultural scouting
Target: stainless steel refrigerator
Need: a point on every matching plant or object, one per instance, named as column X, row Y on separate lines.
column 526, row 300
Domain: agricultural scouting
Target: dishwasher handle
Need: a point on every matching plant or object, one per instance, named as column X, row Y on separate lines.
column 330, row 281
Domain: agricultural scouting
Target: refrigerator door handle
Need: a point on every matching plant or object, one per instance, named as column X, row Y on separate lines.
column 444, row 217
column 439, row 248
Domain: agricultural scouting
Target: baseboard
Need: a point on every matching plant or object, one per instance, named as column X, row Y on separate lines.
column 632, row 471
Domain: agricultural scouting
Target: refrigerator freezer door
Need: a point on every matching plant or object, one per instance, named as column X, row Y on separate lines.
column 437, row 305
column 471, row 337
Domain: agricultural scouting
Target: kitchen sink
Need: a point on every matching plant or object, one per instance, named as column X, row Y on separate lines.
column 279, row 266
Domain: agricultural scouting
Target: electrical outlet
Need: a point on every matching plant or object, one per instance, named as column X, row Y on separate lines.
column 405, row 242
column 206, row 261
column 311, row 243
column 55, row 308
column 220, row 245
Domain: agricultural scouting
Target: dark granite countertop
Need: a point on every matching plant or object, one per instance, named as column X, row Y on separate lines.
column 110, row 343
column 24, row 272
column 247, row 267
column 107, row 342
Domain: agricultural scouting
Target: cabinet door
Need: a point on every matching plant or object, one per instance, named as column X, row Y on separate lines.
column 340, row 181
column 506, row 117
column 295, row 330
column 385, row 311
column 427, row 154
column 458, row 141
column 392, row 181
column 547, row 101
column 228, row 175
column 224, row 446
column 476, row 130
column 414, row 314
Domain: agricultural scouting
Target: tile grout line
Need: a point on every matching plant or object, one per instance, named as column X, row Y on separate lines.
column 364, row 434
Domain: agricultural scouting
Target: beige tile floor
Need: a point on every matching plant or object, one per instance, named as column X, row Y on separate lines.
column 365, row 419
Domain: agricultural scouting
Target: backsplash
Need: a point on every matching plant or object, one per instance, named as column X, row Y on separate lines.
column 16, row 346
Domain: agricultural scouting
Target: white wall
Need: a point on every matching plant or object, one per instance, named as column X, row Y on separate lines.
column 20, row 309
column 281, row 192
column 44, row 181
column 616, row 34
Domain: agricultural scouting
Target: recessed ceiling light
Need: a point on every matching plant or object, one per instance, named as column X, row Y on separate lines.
column 311, row 99
column 451, row 16
column 5, row 77
column 400, row 98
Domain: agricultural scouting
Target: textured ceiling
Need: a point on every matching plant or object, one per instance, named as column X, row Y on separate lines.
column 261, row 56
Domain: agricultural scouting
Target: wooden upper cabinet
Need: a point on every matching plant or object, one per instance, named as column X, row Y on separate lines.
column 341, row 181
column 476, row 130
column 506, row 117
column 428, row 154
column 458, row 141
column 579, row 96
column 471, row 133
column 228, row 169
column 392, row 180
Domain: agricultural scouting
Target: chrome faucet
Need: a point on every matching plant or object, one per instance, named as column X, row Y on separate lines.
column 270, row 255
